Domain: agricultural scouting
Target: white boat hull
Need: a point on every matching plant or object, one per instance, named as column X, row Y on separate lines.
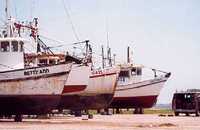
column 32, row 91
column 87, row 89
column 138, row 95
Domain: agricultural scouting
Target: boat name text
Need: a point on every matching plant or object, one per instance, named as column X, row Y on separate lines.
column 35, row 72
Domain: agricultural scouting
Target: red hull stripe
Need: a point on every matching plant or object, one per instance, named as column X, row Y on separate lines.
column 134, row 102
column 101, row 75
column 73, row 88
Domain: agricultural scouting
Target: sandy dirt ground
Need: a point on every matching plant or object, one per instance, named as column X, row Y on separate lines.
column 100, row 122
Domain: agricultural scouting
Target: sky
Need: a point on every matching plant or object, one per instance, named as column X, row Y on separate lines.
column 163, row 34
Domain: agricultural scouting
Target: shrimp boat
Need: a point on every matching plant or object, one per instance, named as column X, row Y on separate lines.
column 27, row 89
column 94, row 89
column 86, row 87
column 135, row 92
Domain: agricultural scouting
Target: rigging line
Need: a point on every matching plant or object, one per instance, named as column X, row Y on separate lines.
column 50, row 39
column 62, row 43
column 70, row 20
column 107, row 33
column 15, row 9
column 32, row 8
column 57, row 46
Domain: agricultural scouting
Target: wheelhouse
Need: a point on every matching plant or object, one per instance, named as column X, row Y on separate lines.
column 11, row 45
column 11, row 53
column 128, row 72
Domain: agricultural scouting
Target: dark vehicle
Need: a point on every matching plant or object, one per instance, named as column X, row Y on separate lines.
column 187, row 102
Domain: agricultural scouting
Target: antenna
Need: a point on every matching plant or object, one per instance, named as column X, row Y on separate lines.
column 7, row 18
column 103, row 59
column 6, row 9
column 107, row 34
column 128, row 54
column 108, row 47
column 114, row 56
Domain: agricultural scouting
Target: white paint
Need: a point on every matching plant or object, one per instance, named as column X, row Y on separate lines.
column 11, row 60
column 134, row 90
column 133, row 85
column 45, row 85
column 79, row 75
column 104, row 84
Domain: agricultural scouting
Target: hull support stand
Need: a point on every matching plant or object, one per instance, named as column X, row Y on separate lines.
column 138, row 111
column 18, row 118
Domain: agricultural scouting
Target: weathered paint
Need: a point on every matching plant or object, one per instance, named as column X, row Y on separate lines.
column 98, row 93
column 80, row 102
column 44, row 82
column 28, row 104
column 73, row 88
column 32, row 91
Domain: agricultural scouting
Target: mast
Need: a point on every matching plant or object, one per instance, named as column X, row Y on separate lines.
column 128, row 54
column 7, row 19
column 109, row 57
column 103, row 58
column 6, row 10
column 114, row 55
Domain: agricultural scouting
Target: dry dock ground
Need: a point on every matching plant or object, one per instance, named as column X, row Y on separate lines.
column 100, row 122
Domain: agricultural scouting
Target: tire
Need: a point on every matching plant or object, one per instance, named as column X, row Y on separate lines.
column 136, row 111
column 78, row 113
column 90, row 116
column 187, row 114
column 176, row 113
column 117, row 111
column 197, row 113
column 141, row 111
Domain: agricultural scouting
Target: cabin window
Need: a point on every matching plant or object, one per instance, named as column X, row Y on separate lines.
column 124, row 74
column 136, row 71
column 52, row 62
column 43, row 61
column 21, row 46
column 133, row 71
column 139, row 71
column 5, row 47
column 14, row 46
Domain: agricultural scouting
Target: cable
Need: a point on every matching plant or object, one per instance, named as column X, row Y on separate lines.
column 68, row 15
column 50, row 39
column 15, row 9
column 32, row 8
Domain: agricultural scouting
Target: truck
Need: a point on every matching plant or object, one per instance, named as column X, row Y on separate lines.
column 187, row 102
